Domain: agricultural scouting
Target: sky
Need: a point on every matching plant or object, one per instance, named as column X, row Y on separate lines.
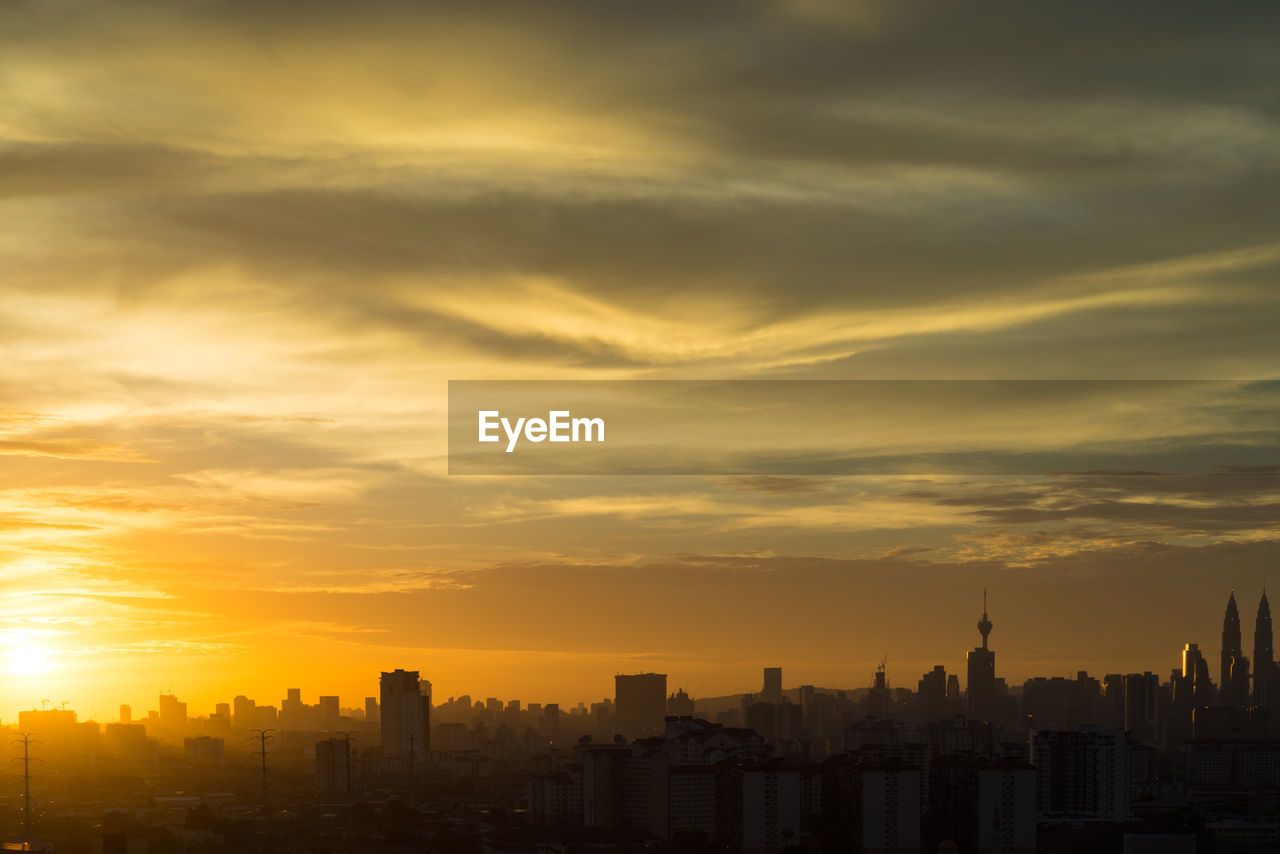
column 246, row 245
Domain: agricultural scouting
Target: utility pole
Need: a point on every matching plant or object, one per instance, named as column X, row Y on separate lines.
column 263, row 735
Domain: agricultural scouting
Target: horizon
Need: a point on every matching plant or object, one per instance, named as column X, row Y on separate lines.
column 197, row 702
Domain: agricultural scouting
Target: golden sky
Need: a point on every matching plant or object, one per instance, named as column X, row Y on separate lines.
column 245, row 245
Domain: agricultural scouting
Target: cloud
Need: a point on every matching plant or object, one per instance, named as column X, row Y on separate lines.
column 1093, row 508
column 783, row 485
column 71, row 448
column 370, row 581
column 249, row 246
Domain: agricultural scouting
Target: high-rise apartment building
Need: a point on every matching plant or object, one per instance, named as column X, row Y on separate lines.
column 333, row 766
column 405, row 715
column 1082, row 773
column 772, row 691
column 640, row 702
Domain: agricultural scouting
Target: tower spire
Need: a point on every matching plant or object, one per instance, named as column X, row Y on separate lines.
column 984, row 625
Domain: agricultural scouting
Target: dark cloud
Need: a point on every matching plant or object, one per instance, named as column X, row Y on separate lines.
column 780, row 485
column 30, row 169
column 1162, row 504
column 994, row 89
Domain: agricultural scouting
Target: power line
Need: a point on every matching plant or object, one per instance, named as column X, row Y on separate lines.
column 26, row 784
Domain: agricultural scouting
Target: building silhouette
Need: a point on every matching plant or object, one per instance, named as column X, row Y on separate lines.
column 932, row 689
column 981, row 802
column 772, row 690
column 327, row 708
column 292, row 710
column 1081, row 773
column 405, row 714
column 205, row 751
column 1141, row 704
column 871, row 802
column 640, row 701
column 1069, row 762
column 1196, row 669
column 879, row 700
column 761, row 807
column 680, row 704
column 1266, row 686
column 173, row 712
column 1234, row 673
column 333, row 766
column 982, row 672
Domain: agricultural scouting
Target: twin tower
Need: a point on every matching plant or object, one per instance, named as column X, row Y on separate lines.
column 1236, row 689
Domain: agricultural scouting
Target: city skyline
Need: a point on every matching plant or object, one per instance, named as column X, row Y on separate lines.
column 1233, row 636
column 1182, row 762
column 761, row 425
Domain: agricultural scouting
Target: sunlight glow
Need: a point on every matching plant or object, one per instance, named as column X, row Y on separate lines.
column 29, row 660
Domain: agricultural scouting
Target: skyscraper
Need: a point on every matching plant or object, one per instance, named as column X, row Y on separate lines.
column 1141, row 701
column 292, row 710
column 242, row 712
column 640, row 702
column 982, row 672
column 933, row 693
column 1266, row 685
column 406, row 714
column 1263, row 654
column 772, row 692
column 1195, row 669
column 333, row 766
column 173, row 712
column 328, row 711
column 1234, row 674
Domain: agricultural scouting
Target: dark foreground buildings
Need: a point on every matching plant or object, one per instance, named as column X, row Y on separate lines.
column 1124, row 762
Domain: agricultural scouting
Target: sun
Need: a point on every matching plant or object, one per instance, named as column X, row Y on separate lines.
column 28, row 660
